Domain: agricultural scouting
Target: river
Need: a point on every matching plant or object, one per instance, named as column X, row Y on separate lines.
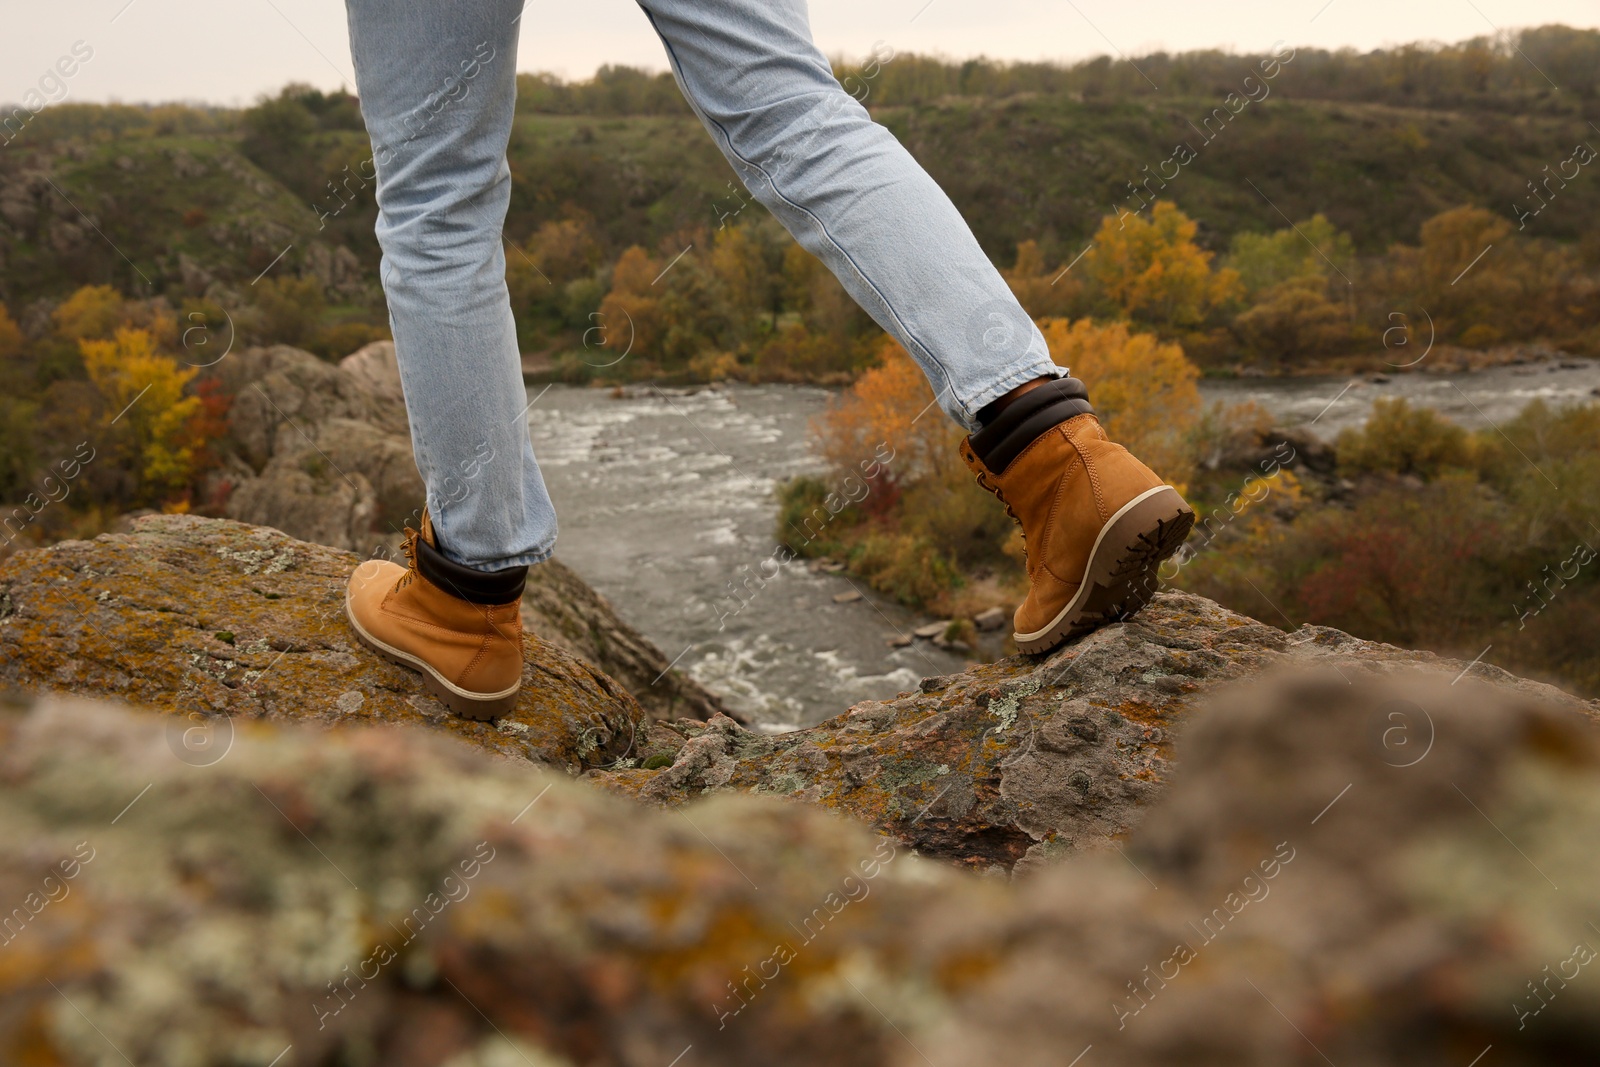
column 666, row 506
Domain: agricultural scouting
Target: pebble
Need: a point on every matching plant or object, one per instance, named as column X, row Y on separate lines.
column 991, row 619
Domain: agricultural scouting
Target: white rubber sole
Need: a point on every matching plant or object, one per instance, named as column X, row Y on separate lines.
column 1120, row 576
column 480, row 706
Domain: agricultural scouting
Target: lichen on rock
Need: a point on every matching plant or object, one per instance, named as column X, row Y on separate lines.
column 1040, row 755
column 139, row 616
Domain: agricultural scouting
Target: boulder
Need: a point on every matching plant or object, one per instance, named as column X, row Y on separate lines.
column 991, row 618
column 1310, row 889
column 376, row 373
column 325, row 449
column 1011, row 762
column 219, row 624
column 1381, row 868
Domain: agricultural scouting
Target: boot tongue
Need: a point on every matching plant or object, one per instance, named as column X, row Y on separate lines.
column 425, row 529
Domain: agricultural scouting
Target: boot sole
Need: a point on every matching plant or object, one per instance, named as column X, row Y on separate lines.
column 1121, row 574
column 479, row 706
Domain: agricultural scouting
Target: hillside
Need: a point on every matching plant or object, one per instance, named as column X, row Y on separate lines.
column 190, row 210
column 1048, row 169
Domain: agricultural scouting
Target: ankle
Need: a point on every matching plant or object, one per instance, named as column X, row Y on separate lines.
column 1029, row 412
column 487, row 588
column 987, row 413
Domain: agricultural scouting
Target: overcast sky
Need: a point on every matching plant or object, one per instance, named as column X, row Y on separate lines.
column 229, row 51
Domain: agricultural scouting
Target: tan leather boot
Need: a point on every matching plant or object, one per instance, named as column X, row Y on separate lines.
column 470, row 654
column 1096, row 523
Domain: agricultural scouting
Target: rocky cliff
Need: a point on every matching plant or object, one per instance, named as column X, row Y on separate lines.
column 221, row 624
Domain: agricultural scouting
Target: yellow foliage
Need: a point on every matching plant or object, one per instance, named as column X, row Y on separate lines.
column 145, row 406
column 565, row 250
column 1041, row 290
column 10, row 335
column 714, row 366
column 1142, row 388
column 1294, row 318
column 890, row 404
column 630, row 311
column 1153, row 270
column 96, row 311
column 737, row 261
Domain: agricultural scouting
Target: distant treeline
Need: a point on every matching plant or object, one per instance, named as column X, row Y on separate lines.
column 1551, row 68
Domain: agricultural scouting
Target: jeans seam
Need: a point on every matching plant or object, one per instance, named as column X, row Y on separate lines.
column 693, row 104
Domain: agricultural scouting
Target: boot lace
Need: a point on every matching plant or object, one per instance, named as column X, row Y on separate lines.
column 999, row 494
column 409, row 547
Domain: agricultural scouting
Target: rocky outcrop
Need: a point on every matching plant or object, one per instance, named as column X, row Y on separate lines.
column 1015, row 761
column 321, row 451
column 222, row 624
column 1311, row 888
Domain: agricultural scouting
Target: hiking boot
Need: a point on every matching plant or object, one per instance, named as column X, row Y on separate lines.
column 462, row 628
column 1096, row 523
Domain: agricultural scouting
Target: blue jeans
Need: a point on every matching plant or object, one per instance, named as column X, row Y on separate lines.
column 438, row 87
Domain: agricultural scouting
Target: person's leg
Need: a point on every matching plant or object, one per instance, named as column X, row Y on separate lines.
column 438, row 88
column 852, row 195
column 1096, row 522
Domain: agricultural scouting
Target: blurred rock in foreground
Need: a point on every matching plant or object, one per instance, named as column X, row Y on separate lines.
column 1312, row 887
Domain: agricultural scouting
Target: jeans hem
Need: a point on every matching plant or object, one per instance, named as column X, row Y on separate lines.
column 527, row 559
column 1023, row 372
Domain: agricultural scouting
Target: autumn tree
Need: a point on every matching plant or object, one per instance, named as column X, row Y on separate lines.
column 629, row 319
column 739, row 263
column 1041, row 290
column 565, row 249
column 890, row 404
column 148, row 413
column 1314, row 248
column 1481, row 281
column 931, row 523
column 1294, row 318
column 1151, row 269
column 93, row 312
